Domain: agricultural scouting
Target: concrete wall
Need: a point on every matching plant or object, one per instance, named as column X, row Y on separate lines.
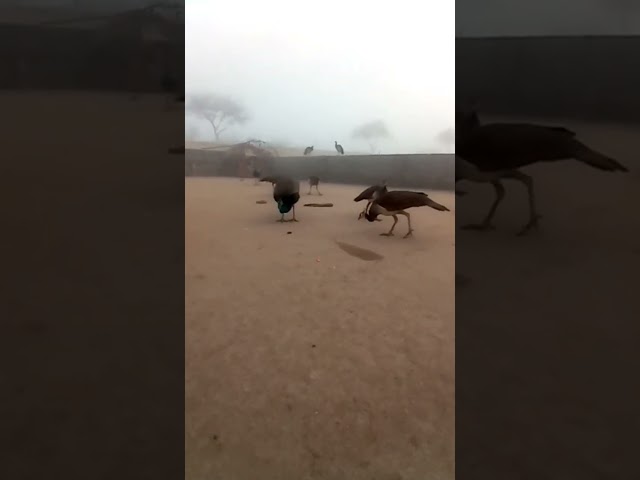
column 593, row 78
column 414, row 171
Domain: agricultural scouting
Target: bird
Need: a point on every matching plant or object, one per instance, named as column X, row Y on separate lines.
column 395, row 203
column 308, row 150
column 489, row 153
column 286, row 193
column 339, row 148
column 370, row 195
column 314, row 182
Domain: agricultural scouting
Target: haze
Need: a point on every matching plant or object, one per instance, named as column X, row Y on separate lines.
column 309, row 73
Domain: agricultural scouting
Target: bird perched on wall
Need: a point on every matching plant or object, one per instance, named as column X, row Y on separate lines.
column 308, row 150
column 286, row 193
column 370, row 194
column 395, row 203
column 314, row 182
column 339, row 148
column 491, row 152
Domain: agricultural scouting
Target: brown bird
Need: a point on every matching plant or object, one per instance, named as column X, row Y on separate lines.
column 492, row 152
column 314, row 182
column 370, row 194
column 395, row 203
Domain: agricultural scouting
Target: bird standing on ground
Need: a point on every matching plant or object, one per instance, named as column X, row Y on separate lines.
column 308, row 150
column 286, row 193
column 370, row 194
column 314, row 182
column 492, row 152
column 339, row 148
column 395, row 203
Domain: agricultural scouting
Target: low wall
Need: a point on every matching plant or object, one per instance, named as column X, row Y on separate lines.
column 434, row 171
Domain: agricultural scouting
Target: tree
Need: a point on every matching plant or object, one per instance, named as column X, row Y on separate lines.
column 218, row 110
column 371, row 132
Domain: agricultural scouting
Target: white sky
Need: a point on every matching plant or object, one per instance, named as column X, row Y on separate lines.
column 310, row 72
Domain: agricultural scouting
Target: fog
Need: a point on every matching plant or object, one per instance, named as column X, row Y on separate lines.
column 310, row 73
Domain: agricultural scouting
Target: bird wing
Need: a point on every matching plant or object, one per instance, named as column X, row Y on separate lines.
column 500, row 146
column 285, row 186
column 401, row 200
column 367, row 193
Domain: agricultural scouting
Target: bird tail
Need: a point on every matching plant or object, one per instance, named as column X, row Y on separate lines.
column 435, row 205
column 596, row 159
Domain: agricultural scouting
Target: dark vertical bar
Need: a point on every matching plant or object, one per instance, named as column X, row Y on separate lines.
column 546, row 322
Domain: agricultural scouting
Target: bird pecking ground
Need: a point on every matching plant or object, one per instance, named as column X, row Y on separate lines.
column 306, row 359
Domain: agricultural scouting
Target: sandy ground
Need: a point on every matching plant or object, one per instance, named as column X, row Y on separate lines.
column 572, row 286
column 303, row 361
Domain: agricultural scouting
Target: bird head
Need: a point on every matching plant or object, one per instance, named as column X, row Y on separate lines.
column 283, row 207
column 371, row 216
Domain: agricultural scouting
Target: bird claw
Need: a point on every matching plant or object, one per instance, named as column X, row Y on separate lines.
column 409, row 234
column 533, row 224
column 386, row 234
column 481, row 227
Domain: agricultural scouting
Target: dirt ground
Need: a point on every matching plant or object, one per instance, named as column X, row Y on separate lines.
column 572, row 286
column 305, row 361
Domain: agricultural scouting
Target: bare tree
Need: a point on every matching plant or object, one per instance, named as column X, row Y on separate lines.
column 371, row 132
column 218, row 110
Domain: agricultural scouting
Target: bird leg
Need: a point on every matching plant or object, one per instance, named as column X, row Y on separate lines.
column 390, row 232
column 309, row 191
column 318, row 190
column 486, row 223
column 281, row 218
column 410, row 232
column 533, row 214
column 294, row 215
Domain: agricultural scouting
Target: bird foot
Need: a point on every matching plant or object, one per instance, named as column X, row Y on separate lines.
column 479, row 227
column 388, row 234
column 409, row 234
column 293, row 220
column 533, row 224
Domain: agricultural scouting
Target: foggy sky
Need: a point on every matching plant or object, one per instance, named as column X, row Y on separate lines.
column 309, row 73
